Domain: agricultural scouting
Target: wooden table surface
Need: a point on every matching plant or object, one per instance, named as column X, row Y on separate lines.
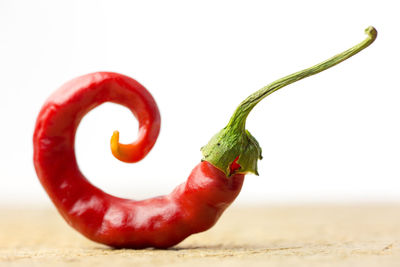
column 307, row 235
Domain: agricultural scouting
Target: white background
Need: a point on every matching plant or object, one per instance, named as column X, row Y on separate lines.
column 332, row 137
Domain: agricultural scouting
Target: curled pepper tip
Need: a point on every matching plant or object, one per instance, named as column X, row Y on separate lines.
column 128, row 153
column 115, row 144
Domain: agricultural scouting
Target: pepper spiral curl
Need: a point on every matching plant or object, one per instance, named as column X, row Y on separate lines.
column 162, row 221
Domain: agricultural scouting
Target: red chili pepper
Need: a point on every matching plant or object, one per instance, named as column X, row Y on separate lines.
column 164, row 221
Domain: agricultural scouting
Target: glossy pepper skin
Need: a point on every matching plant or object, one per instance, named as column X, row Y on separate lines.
column 161, row 222
column 164, row 221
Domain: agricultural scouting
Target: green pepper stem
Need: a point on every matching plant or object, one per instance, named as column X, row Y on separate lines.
column 235, row 144
column 238, row 119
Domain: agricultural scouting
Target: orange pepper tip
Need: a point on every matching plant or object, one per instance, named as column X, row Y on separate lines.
column 115, row 144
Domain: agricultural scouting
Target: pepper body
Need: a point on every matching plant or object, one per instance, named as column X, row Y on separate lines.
column 164, row 221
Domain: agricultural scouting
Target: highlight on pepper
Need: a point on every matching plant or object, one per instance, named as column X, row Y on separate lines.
column 161, row 222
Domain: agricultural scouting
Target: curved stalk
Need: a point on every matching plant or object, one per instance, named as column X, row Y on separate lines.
column 235, row 145
column 238, row 118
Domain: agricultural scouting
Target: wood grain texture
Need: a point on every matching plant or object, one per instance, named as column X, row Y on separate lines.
column 308, row 235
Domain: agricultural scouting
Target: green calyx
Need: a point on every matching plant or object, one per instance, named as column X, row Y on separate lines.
column 227, row 145
column 234, row 144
